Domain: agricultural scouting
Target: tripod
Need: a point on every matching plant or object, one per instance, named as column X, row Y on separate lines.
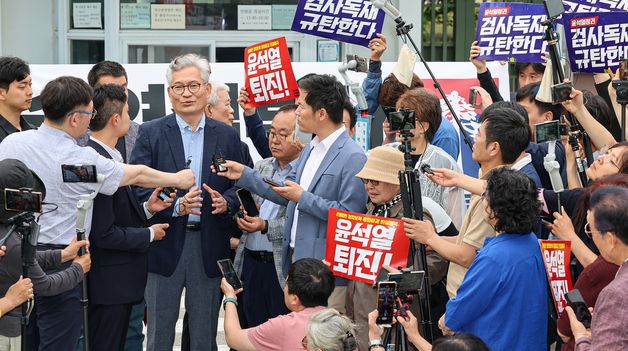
column 25, row 225
column 413, row 208
column 559, row 76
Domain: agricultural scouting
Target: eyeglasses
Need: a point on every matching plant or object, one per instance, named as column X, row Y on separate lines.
column 193, row 88
column 271, row 134
column 373, row 182
column 83, row 112
column 589, row 232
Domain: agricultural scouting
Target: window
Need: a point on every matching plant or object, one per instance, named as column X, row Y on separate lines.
column 162, row 53
column 87, row 51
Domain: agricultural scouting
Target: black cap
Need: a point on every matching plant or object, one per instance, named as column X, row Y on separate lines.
column 15, row 175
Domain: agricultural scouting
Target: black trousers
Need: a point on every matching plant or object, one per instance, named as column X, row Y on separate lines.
column 108, row 325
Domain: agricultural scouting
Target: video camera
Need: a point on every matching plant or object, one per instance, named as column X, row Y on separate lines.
column 402, row 120
column 621, row 85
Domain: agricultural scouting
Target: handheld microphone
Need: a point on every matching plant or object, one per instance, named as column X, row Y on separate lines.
column 426, row 169
column 388, row 8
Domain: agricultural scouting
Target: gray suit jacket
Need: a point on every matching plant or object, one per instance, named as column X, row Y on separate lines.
column 275, row 226
column 334, row 186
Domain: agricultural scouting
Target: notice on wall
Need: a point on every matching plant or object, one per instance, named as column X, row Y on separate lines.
column 255, row 17
column 134, row 16
column 87, row 15
column 167, row 16
column 282, row 16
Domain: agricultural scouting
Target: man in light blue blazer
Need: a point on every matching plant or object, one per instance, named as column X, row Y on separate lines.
column 323, row 178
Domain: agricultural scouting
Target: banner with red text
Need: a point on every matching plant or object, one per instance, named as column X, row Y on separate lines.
column 557, row 257
column 358, row 245
column 268, row 73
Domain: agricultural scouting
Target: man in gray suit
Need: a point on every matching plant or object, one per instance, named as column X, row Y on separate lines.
column 323, row 178
column 258, row 257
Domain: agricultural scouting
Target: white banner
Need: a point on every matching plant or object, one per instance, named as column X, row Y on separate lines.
column 148, row 97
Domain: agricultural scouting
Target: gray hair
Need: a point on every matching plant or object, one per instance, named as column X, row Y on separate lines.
column 213, row 98
column 328, row 330
column 187, row 60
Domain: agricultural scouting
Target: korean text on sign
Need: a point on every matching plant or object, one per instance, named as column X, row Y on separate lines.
column 269, row 76
column 556, row 255
column 350, row 21
column 511, row 31
column 359, row 245
column 596, row 41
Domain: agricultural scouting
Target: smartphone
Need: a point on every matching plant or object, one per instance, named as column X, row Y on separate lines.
column 361, row 63
column 79, row 173
column 226, row 267
column 22, row 200
column 385, row 302
column 246, row 199
column 547, row 131
column 164, row 194
column 273, row 182
column 473, row 97
column 580, row 308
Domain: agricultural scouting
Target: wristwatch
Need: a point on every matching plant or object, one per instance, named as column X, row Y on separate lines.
column 375, row 344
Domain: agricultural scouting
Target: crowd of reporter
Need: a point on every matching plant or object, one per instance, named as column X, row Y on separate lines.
column 487, row 275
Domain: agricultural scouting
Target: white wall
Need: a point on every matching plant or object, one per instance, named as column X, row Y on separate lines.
column 27, row 30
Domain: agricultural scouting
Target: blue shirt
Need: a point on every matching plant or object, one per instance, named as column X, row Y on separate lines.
column 503, row 297
column 269, row 210
column 446, row 137
column 193, row 148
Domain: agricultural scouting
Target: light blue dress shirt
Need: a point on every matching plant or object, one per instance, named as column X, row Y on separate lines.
column 193, row 148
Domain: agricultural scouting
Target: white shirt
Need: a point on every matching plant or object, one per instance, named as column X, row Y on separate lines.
column 319, row 149
column 44, row 150
column 522, row 162
column 117, row 156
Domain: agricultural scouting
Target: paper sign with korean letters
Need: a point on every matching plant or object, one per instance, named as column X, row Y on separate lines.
column 595, row 5
column 349, row 21
column 557, row 258
column 596, row 41
column 358, row 245
column 511, row 31
column 268, row 73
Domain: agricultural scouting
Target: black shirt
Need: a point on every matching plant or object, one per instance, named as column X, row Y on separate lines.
column 7, row 128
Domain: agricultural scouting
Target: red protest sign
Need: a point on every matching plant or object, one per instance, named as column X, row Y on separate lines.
column 557, row 257
column 358, row 245
column 269, row 77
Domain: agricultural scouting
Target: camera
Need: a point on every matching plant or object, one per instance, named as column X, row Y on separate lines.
column 218, row 160
column 164, row 194
column 361, row 66
column 22, row 200
column 561, row 92
column 404, row 119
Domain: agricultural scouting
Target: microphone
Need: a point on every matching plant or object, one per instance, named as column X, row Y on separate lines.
column 425, row 168
column 388, row 8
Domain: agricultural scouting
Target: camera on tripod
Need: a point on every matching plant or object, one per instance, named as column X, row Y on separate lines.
column 402, row 120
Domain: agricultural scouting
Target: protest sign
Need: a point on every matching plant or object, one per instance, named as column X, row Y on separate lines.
column 596, row 41
column 511, row 31
column 595, row 5
column 557, row 257
column 358, row 245
column 269, row 78
column 349, row 21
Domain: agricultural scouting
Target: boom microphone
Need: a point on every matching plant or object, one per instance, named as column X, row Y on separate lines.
column 388, row 8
